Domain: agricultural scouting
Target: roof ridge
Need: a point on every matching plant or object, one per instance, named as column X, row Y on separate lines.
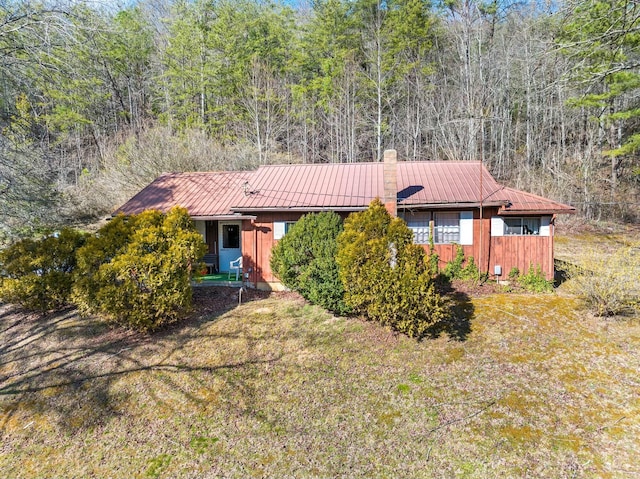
column 358, row 163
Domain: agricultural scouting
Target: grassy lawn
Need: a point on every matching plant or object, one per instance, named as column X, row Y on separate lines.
column 278, row 388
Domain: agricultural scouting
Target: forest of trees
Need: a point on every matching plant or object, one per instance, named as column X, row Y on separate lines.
column 97, row 100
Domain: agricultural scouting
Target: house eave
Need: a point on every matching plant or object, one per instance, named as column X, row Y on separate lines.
column 536, row 212
column 223, row 217
column 451, row 205
column 303, row 209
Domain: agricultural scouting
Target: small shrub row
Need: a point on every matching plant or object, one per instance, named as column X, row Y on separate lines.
column 534, row 280
column 135, row 270
column 457, row 269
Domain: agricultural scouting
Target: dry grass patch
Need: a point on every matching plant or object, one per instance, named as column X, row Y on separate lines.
column 278, row 388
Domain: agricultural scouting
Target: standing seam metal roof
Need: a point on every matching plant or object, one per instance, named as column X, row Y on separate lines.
column 347, row 186
column 202, row 194
column 357, row 184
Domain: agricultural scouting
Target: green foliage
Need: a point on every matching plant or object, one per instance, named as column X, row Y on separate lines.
column 137, row 271
column 534, row 280
column 434, row 258
column 99, row 249
column 514, row 274
column 385, row 276
column 608, row 283
column 603, row 36
column 305, row 260
column 38, row 274
column 457, row 269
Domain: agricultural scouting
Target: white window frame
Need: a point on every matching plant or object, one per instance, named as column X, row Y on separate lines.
column 460, row 233
column 420, row 223
column 446, row 227
column 281, row 228
column 499, row 226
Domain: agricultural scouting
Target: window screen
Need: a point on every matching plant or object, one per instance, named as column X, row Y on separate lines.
column 418, row 223
column 446, row 228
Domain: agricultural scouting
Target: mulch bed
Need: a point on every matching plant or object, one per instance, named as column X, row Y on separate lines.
column 218, row 299
column 471, row 288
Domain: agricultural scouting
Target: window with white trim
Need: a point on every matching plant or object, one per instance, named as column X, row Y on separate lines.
column 281, row 228
column 446, row 227
column 522, row 226
column 418, row 222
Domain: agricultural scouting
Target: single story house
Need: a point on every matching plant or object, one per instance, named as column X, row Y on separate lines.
column 243, row 214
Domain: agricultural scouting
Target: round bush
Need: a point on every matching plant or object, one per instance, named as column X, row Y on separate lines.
column 38, row 274
column 305, row 260
column 137, row 271
column 385, row 276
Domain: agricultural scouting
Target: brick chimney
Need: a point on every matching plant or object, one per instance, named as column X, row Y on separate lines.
column 391, row 182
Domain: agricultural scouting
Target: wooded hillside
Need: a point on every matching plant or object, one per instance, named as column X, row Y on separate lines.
column 96, row 101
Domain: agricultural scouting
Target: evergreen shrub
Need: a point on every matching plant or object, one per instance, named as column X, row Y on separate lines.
column 305, row 260
column 137, row 271
column 38, row 273
column 385, row 276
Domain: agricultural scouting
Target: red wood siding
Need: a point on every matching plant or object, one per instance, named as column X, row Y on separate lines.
column 522, row 252
column 487, row 251
column 257, row 241
column 479, row 250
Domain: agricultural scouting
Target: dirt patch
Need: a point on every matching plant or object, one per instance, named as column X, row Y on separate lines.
column 475, row 289
column 209, row 300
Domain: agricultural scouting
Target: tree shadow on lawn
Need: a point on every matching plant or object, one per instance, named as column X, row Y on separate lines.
column 460, row 312
column 62, row 366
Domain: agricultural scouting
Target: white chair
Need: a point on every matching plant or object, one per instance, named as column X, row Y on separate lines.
column 237, row 266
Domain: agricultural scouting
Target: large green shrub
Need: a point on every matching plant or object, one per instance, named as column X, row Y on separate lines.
column 38, row 274
column 101, row 248
column 137, row 270
column 385, row 276
column 305, row 260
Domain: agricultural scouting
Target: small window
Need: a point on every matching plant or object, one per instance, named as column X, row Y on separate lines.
column 418, row 222
column 522, row 226
column 446, row 228
column 288, row 225
column 281, row 228
column 231, row 236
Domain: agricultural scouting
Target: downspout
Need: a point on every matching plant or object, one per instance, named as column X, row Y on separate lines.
column 481, row 227
column 255, row 254
column 552, row 237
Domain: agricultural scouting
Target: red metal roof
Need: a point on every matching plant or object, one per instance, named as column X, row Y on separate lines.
column 337, row 186
column 520, row 202
column 355, row 185
column 202, row 194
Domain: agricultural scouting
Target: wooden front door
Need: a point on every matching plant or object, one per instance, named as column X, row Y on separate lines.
column 211, row 237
